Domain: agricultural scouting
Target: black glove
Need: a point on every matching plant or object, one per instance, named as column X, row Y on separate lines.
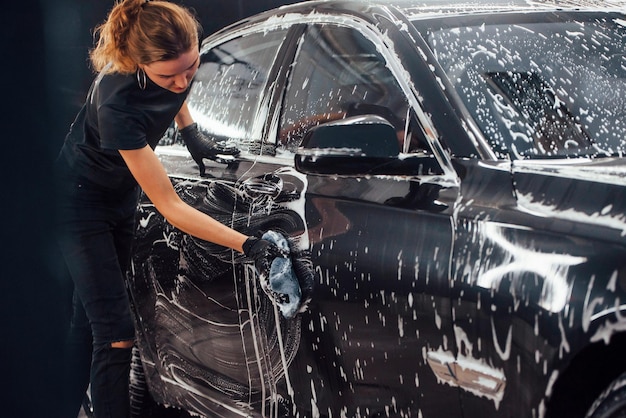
column 280, row 275
column 263, row 253
column 303, row 267
column 200, row 146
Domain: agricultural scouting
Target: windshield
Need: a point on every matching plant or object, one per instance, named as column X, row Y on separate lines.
column 541, row 89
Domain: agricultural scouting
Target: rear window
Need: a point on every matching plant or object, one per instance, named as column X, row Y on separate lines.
column 553, row 89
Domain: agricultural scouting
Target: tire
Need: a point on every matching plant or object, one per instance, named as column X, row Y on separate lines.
column 612, row 401
column 138, row 389
column 141, row 403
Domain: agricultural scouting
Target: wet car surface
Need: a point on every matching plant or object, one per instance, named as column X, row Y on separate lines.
column 457, row 177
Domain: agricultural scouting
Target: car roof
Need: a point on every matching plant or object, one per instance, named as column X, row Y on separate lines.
column 424, row 9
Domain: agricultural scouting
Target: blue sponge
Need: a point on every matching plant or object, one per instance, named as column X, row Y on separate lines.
column 282, row 280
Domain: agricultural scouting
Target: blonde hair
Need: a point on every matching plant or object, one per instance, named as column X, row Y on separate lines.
column 142, row 32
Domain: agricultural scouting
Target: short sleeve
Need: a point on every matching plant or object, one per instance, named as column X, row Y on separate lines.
column 120, row 128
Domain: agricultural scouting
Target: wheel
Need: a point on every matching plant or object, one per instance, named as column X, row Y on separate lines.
column 612, row 401
column 141, row 403
column 138, row 389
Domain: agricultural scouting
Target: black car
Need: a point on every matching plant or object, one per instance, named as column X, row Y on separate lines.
column 456, row 174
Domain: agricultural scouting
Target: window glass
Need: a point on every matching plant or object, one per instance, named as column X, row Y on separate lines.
column 542, row 90
column 338, row 73
column 227, row 89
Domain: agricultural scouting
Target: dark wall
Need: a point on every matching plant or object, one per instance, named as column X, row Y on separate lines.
column 45, row 77
column 29, row 319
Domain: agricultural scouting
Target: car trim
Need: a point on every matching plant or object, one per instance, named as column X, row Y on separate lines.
column 470, row 374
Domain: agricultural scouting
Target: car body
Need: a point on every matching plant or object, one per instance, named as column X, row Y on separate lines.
column 456, row 175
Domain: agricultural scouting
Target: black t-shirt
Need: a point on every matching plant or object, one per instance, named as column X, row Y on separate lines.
column 117, row 115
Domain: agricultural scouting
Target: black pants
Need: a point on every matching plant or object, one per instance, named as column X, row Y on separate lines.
column 95, row 228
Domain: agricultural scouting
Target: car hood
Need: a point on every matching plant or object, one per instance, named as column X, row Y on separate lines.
column 586, row 197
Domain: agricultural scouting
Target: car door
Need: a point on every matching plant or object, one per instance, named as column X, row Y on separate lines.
column 380, row 244
column 522, row 267
column 210, row 341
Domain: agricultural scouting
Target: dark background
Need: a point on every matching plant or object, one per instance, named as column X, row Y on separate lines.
column 44, row 75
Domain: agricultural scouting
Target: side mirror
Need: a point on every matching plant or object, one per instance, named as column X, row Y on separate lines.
column 351, row 146
column 360, row 145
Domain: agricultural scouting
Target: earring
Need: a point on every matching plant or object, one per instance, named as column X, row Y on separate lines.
column 141, row 78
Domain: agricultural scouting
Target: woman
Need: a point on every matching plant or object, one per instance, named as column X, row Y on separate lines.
column 146, row 56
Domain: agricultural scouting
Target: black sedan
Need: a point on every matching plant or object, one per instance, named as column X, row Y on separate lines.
column 457, row 177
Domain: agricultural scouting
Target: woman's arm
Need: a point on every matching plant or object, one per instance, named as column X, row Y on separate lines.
column 183, row 118
column 151, row 176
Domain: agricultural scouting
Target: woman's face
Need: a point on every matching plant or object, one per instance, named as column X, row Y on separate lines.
column 176, row 74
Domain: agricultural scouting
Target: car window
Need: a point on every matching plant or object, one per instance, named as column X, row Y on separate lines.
column 227, row 89
column 338, row 73
column 545, row 89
